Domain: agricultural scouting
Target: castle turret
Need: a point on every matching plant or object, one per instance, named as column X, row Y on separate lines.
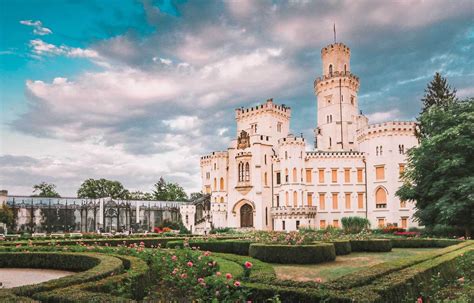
column 337, row 104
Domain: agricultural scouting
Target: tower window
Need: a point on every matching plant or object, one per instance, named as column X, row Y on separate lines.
column 345, row 68
column 352, row 100
column 330, row 69
column 330, row 142
column 401, row 149
column 247, row 171
column 279, row 127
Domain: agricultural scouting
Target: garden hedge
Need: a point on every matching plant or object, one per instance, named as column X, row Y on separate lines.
column 374, row 245
column 343, row 247
column 261, row 271
column 96, row 267
column 293, row 254
column 423, row 243
column 238, row 247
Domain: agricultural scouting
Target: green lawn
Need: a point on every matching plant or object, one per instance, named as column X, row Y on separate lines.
column 343, row 265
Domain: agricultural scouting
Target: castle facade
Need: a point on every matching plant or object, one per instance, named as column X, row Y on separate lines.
column 268, row 179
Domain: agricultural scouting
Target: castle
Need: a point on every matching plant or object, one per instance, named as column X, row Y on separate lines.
column 268, row 180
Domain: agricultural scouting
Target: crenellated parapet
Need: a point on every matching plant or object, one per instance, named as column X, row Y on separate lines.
column 291, row 140
column 335, row 47
column 386, row 128
column 206, row 160
column 267, row 107
column 329, row 81
column 334, row 154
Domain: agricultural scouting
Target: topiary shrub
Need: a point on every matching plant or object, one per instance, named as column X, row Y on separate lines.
column 375, row 245
column 423, row 243
column 343, row 247
column 293, row 254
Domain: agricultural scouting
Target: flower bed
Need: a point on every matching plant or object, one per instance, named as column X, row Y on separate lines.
column 238, row 247
column 293, row 254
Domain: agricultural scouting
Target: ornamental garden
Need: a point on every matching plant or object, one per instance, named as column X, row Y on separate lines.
column 332, row 265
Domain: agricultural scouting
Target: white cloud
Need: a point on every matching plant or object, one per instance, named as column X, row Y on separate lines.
column 38, row 27
column 41, row 48
column 378, row 117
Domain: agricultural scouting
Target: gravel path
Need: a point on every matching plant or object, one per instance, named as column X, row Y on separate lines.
column 13, row 277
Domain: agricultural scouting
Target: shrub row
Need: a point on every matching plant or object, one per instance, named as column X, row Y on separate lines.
column 293, row 254
column 238, row 247
column 98, row 266
column 343, row 247
column 261, row 271
column 423, row 243
column 375, row 245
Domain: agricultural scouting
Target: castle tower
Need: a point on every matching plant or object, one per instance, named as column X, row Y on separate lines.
column 336, row 92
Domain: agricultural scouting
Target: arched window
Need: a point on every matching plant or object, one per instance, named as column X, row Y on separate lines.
column 246, row 216
column 286, row 155
column 295, row 198
column 241, row 172
column 380, row 149
column 215, row 184
column 287, row 197
column 247, row 171
column 295, row 178
column 265, row 179
column 377, row 151
column 221, row 184
column 330, row 69
column 330, row 142
column 301, row 176
column 286, row 175
column 345, row 68
column 265, row 159
column 381, row 198
column 222, row 199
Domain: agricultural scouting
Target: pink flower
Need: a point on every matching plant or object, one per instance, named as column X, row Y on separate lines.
column 184, row 276
column 228, row 276
column 218, row 274
column 318, row 280
column 190, row 264
column 174, row 258
column 207, row 253
column 200, row 280
column 248, row 264
column 236, row 283
column 419, row 300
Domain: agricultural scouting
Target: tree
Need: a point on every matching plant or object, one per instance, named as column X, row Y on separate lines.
column 195, row 196
column 139, row 195
column 45, row 190
column 165, row 191
column 102, row 188
column 437, row 93
column 439, row 175
column 6, row 215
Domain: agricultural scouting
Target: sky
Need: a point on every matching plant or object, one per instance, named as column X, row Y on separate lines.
column 134, row 90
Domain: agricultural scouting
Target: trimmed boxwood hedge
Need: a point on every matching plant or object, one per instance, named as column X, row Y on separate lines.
column 375, row 245
column 261, row 271
column 343, row 247
column 423, row 243
column 293, row 254
column 238, row 247
column 97, row 266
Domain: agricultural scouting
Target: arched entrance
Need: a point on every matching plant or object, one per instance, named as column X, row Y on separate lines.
column 246, row 216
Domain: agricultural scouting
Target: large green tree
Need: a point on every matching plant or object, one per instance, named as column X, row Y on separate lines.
column 139, row 195
column 167, row 191
column 102, row 188
column 440, row 171
column 45, row 190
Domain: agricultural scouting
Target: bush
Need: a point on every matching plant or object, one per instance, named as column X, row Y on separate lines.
column 375, row 245
column 293, row 254
column 423, row 243
column 354, row 225
column 343, row 247
column 238, row 247
column 261, row 271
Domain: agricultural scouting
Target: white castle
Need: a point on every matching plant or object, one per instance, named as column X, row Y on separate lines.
column 268, row 180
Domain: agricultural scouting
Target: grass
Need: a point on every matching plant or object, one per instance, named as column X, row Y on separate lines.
column 343, row 265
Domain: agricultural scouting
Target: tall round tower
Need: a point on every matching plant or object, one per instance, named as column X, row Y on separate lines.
column 336, row 92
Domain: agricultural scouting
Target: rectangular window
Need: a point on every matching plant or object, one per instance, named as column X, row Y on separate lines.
column 360, row 176
column 322, row 224
column 401, row 168
column 278, row 200
column 308, row 176
column 321, row 175
column 310, row 199
column 380, row 173
column 334, row 201
column 208, row 189
column 283, row 225
column 403, row 204
column 381, row 222
column 278, row 177
column 334, row 175
column 279, row 127
column 335, row 223
column 360, row 200
column 347, row 175
column 348, row 200
column 322, row 201
column 404, row 222
column 297, row 224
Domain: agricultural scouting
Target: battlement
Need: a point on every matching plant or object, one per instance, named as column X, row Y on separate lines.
column 347, row 77
column 334, row 154
column 291, row 140
column 340, row 47
column 241, row 155
column 267, row 107
column 214, row 155
column 401, row 127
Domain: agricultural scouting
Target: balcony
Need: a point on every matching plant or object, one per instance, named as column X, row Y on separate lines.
column 288, row 211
